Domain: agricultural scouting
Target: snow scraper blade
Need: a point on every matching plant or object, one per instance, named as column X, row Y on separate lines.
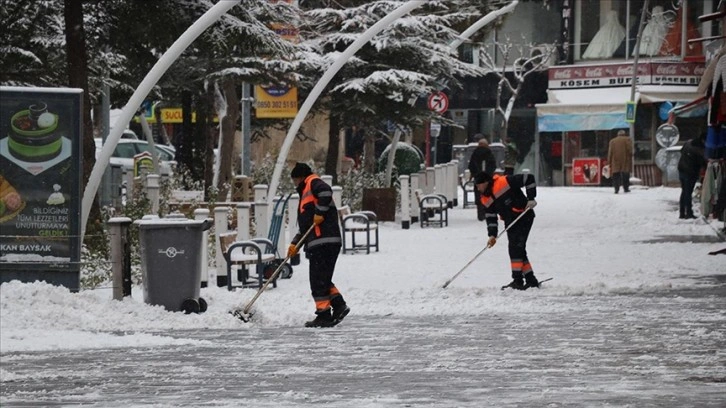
column 482, row 251
column 240, row 314
column 245, row 314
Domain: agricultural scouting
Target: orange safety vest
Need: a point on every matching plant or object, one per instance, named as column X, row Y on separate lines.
column 308, row 197
column 500, row 185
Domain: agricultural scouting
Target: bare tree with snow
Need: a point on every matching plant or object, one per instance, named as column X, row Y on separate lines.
column 535, row 59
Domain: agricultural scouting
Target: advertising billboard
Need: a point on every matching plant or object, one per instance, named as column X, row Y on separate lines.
column 275, row 102
column 586, row 171
column 40, row 185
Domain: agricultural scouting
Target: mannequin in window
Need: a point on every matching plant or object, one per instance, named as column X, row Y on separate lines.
column 672, row 43
column 607, row 39
column 630, row 40
column 654, row 32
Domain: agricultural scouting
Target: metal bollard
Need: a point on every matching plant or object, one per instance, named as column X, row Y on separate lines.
column 415, row 177
column 152, row 192
column 208, row 275
column 260, row 192
column 221, row 226
column 243, row 221
column 405, row 209
column 120, row 256
column 337, row 196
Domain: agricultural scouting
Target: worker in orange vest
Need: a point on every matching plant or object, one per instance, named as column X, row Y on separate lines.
column 502, row 196
column 322, row 246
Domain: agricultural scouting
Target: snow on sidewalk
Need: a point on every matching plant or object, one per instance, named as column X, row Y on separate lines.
column 589, row 240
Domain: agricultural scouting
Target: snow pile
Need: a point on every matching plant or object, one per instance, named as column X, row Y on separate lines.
column 591, row 241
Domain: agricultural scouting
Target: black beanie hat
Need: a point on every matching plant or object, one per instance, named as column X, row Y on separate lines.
column 482, row 177
column 301, row 170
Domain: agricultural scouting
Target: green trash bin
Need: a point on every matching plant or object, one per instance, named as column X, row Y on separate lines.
column 171, row 263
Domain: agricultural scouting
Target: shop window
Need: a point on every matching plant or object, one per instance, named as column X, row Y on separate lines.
column 644, row 130
column 571, row 146
column 534, row 23
column 643, row 151
column 466, row 53
column 616, row 30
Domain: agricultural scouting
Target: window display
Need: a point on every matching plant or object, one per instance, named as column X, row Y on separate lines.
column 655, row 30
column 606, row 41
column 672, row 43
column 661, row 34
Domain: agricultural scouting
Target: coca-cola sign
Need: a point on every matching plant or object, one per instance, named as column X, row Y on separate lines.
column 666, row 70
column 621, row 74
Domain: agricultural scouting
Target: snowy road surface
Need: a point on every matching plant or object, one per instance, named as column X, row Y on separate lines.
column 635, row 317
column 617, row 350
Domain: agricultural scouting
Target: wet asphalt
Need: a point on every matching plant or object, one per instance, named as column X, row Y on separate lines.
column 656, row 349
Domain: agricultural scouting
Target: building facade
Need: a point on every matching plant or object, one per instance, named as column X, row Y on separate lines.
column 593, row 87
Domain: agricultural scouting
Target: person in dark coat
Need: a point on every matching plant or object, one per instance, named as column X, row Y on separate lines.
column 502, row 196
column 690, row 165
column 482, row 159
column 322, row 245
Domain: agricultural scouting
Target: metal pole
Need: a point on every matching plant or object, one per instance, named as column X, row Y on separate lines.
column 106, row 128
column 643, row 14
column 245, row 166
column 684, row 29
column 323, row 82
column 152, row 77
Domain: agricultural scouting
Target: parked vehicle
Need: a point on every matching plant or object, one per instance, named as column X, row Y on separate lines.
column 126, row 149
column 129, row 134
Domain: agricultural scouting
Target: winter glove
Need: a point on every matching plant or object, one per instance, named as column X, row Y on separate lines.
column 492, row 241
column 291, row 250
column 318, row 219
column 531, row 204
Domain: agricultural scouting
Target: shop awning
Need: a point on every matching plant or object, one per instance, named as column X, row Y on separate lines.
column 570, row 110
column 583, row 109
column 667, row 93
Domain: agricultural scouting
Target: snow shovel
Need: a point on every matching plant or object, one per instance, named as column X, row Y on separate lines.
column 485, row 248
column 244, row 314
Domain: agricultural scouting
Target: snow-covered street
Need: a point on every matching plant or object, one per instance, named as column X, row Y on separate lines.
column 635, row 316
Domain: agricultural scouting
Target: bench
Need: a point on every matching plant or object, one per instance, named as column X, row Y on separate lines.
column 241, row 255
column 431, row 206
column 361, row 222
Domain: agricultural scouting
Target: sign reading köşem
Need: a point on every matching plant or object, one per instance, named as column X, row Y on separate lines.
column 614, row 75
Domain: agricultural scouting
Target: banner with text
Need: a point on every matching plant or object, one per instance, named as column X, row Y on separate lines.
column 40, row 184
column 275, row 102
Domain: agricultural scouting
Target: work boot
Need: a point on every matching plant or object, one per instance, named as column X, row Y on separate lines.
column 339, row 313
column 323, row 319
column 517, row 284
column 531, row 280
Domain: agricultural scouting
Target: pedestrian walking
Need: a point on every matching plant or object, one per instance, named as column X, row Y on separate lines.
column 690, row 166
column 502, row 196
column 620, row 160
column 482, row 159
column 322, row 246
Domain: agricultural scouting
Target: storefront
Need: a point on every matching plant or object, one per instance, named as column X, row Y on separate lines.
column 587, row 105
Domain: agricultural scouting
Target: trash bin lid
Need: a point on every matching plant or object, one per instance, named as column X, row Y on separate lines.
column 170, row 223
